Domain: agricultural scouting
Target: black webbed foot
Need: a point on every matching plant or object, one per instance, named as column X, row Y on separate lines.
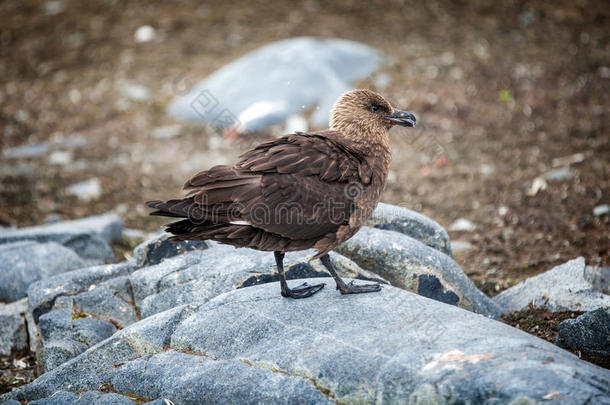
column 351, row 288
column 303, row 291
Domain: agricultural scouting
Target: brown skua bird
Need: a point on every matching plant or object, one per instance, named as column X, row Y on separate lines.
column 296, row 192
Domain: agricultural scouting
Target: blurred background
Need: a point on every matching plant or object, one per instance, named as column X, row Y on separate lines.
column 511, row 153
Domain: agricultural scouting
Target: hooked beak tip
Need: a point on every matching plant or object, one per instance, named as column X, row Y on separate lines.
column 402, row 118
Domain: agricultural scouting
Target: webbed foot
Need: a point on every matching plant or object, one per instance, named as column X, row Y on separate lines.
column 351, row 288
column 303, row 291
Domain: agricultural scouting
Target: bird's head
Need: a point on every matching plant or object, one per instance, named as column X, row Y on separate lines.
column 361, row 112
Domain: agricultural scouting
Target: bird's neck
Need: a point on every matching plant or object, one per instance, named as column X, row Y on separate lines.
column 371, row 144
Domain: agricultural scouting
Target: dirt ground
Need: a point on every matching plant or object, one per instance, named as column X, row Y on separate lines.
column 505, row 91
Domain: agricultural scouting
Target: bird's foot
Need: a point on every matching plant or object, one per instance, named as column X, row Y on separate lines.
column 303, row 291
column 351, row 288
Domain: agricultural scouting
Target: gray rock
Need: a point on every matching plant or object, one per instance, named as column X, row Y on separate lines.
column 84, row 398
column 199, row 276
column 58, row 398
column 56, row 331
column 22, row 263
column 589, row 333
column 13, row 332
column 65, row 335
column 559, row 174
column 134, row 236
column 100, row 398
column 251, row 346
column 158, row 248
column 93, row 368
column 563, row 288
column 458, row 246
column 88, row 190
column 89, row 237
column 599, row 278
column 462, row 225
column 411, row 223
column 102, row 303
column 272, row 83
column 411, row 265
column 58, row 351
column 26, row 151
column 196, row 378
column 43, row 294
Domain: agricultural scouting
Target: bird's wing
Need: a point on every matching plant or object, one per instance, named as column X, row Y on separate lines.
column 323, row 155
column 299, row 186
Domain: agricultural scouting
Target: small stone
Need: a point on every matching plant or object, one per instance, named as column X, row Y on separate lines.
column 26, row 151
column 60, row 158
column 135, row 92
column 539, row 184
column 54, row 7
column 145, row 33
column 559, row 174
column 88, row 190
column 462, row 225
column 600, row 210
column 458, row 246
column 166, row 132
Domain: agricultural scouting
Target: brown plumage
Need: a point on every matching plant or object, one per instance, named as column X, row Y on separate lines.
column 296, row 192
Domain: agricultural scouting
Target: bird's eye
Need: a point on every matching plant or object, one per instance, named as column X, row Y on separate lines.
column 374, row 108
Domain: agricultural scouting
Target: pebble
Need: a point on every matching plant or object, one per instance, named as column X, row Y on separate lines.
column 600, row 210
column 26, row 151
column 135, row 92
column 87, row 190
column 462, row 224
column 166, row 132
column 145, row 33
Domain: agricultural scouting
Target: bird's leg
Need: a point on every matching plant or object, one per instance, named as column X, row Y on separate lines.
column 350, row 288
column 303, row 291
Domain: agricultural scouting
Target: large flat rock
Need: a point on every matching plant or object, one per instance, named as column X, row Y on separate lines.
column 412, row 265
column 269, row 84
column 252, row 346
column 564, row 288
column 198, row 276
column 89, row 237
column 22, row 263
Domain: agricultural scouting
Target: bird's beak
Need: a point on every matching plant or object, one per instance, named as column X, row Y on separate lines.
column 403, row 118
